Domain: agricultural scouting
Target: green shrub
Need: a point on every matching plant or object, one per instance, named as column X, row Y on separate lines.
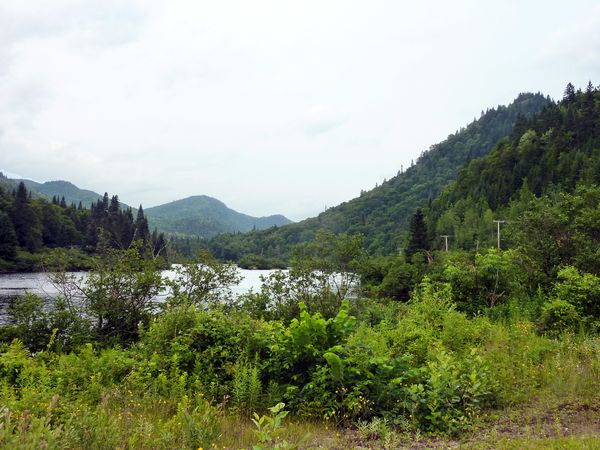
column 454, row 391
column 247, row 386
column 559, row 316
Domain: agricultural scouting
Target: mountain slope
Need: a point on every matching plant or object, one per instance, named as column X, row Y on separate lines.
column 206, row 216
column 49, row 189
column 553, row 152
column 66, row 189
column 383, row 213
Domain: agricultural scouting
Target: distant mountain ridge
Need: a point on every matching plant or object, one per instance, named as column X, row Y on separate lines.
column 206, row 216
column 66, row 189
column 49, row 189
column 198, row 215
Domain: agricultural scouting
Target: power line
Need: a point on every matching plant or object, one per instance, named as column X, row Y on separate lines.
column 499, row 222
column 446, row 236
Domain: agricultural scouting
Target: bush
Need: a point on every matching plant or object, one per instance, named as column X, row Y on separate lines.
column 559, row 316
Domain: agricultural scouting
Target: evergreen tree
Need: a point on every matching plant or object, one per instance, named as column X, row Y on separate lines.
column 8, row 238
column 418, row 240
column 569, row 95
column 128, row 227
column 142, row 231
column 25, row 221
column 105, row 202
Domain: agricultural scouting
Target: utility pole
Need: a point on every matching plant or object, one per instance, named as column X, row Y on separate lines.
column 499, row 222
column 446, row 236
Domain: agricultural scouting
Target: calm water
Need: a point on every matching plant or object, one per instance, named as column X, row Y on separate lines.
column 16, row 284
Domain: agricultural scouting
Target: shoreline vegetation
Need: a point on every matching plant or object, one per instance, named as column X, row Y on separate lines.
column 297, row 365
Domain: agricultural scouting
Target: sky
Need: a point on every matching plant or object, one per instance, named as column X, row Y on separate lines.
column 273, row 107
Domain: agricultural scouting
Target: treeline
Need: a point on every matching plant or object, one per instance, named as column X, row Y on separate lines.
column 32, row 229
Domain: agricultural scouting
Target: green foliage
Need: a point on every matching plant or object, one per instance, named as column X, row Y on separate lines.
column 418, row 239
column 323, row 273
column 544, row 180
column 560, row 229
column 574, row 303
column 484, row 281
column 38, row 234
column 199, row 422
column 8, row 237
column 204, row 349
column 61, row 328
column 267, row 428
column 559, row 316
column 580, row 289
column 453, row 391
column 247, row 388
column 203, row 282
column 119, row 293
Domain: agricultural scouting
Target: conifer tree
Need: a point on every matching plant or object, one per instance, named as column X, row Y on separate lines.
column 142, row 231
column 418, row 241
column 26, row 223
column 8, row 238
column 569, row 95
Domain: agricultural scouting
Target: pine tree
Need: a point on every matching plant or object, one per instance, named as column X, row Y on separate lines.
column 26, row 223
column 142, row 231
column 8, row 238
column 418, row 241
column 569, row 95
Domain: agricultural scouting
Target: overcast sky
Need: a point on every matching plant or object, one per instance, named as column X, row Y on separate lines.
column 270, row 106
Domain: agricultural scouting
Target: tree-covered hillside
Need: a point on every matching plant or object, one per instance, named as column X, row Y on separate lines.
column 548, row 155
column 383, row 214
column 205, row 216
column 66, row 189
column 49, row 189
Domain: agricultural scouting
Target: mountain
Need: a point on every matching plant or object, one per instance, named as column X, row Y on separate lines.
column 66, row 189
column 6, row 183
column 383, row 214
column 49, row 189
column 198, row 215
column 205, row 216
column 547, row 157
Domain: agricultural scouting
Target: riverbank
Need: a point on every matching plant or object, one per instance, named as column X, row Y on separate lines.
column 68, row 259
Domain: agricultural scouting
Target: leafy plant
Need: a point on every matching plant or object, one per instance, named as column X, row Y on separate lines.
column 267, row 428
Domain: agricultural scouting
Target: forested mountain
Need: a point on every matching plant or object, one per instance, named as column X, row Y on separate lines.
column 66, row 189
column 543, row 181
column 49, row 189
column 204, row 216
column 559, row 147
column 199, row 215
column 383, row 214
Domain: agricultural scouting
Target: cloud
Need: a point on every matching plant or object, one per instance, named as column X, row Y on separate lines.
column 324, row 118
column 577, row 41
column 269, row 106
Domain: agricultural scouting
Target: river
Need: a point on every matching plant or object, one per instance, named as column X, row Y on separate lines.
column 39, row 283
